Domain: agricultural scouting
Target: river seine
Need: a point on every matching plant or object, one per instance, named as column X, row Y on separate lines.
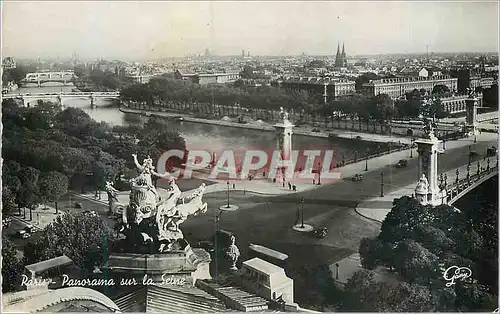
column 213, row 137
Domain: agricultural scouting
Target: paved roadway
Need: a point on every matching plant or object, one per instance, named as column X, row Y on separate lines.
column 268, row 220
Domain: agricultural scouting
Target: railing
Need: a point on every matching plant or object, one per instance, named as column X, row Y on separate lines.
column 461, row 185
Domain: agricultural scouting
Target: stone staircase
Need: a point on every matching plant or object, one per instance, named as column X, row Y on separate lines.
column 133, row 302
column 235, row 298
column 170, row 299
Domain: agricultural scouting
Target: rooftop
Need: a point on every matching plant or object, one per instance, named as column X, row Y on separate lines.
column 263, row 266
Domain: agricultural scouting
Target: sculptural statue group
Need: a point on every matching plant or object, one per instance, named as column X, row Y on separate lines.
column 155, row 216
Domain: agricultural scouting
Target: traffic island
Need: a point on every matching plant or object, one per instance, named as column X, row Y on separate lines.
column 229, row 208
column 303, row 228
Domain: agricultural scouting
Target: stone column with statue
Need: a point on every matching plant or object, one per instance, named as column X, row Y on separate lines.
column 428, row 151
column 284, row 132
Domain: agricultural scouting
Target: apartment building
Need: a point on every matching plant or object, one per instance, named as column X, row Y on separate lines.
column 397, row 87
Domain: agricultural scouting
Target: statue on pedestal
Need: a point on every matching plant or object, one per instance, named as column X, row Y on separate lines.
column 151, row 219
column 284, row 116
column 429, row 127
column 114, row 205
column 422, row 189
column 232, row 254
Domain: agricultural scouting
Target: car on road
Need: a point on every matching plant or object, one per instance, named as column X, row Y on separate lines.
column 78, row 205
column 320, row 233
column 6, row 221
column 491, row 151
column 472, row 153
column 91, row 213
column 357, row 177
column 24, row 233
column 316, row 130
column 402, row 163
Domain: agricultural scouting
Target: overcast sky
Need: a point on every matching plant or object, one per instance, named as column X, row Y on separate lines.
column 138, row 30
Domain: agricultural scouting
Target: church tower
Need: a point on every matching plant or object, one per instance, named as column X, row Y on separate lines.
column 344, row 58
column 338, row 62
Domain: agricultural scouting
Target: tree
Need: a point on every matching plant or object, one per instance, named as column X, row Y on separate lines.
column 440, row 89
column 374, row 252
column 416, row 263
column 365, row 78
column 490, row 96
column 8, row 201
column 363, row 294
column 12, row 267
column 28, row 195
column 53, row 185
column 83, row 238
column 406, row 214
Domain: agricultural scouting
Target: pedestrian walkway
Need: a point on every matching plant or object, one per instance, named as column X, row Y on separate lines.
column 377, row 208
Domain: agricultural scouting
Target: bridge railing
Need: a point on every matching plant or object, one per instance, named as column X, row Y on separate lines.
column 471, row 178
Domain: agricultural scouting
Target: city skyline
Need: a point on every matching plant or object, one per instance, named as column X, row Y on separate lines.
column 153, row 30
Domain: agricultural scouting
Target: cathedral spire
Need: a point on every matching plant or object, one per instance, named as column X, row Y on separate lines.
column 343, row 51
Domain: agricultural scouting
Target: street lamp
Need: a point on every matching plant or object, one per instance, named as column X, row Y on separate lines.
column 319, row 173
column 366, row 160
column 411, row 147
column 302, row 211
column 475, row 138
column 227, row 194
column 382, row 184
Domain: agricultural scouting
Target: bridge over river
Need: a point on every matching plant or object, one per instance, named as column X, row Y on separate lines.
column 27, row 98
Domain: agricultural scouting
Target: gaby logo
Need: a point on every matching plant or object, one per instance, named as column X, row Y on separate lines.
column 304, row 165
column 454, row 272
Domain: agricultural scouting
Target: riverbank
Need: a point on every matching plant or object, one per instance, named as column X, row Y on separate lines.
column 264, row 126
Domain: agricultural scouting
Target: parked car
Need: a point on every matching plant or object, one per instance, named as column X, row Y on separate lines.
column 472, row 153
column 491, row 151
column 90, row 213
column 316, row 130
column 24, row 234
column 78, row 205
column 357, row 177
column 402, row 163
column 320, row 233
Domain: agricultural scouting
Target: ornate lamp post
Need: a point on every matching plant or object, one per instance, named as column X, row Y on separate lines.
column 355, row 156
column 475, row 138
column 366, row 160
column 488, row 165
column 457, row 173
column 411, row 147
column 468, row 173
column 478, row 168
column 382, row 184
column 319, row 173
column 302, row 211
column 228, row 194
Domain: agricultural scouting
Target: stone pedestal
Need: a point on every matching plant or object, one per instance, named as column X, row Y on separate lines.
column 471, row 118
column 284, row 131
column 187, row 265
column 428, row 151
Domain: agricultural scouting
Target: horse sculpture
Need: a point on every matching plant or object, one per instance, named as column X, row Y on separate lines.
column 170, row 217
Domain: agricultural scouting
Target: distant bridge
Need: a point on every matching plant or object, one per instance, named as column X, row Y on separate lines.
column 61, row 97
column 43, row 77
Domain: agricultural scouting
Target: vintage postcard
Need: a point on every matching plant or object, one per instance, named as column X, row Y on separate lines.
column 244, row 156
